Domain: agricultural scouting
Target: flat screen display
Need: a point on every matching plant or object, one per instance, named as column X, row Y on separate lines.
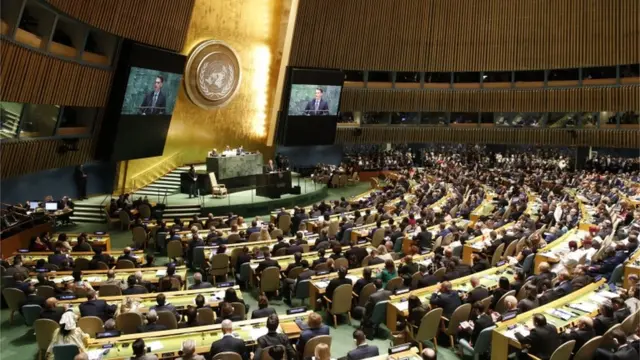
column 150, row 92
column 309, row 100
column 51, row 206
column 33, row 205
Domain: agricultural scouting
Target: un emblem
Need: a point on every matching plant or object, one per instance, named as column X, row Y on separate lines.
column 212, row 76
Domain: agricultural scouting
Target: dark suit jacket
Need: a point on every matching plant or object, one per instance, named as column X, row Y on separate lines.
column 279, row 246
column 376, row 261
column 427, row 280
column 376, row 297
column 477, row 294
column 265, row 264
column 233, row 318
column 625, row 353
column 82, row 247
column 544, row 340
column 602, row 323
column 621, row 314
column 151, row 328
column 333, row 284
column 133, row 290
column 480, row 266
column 357, row 287
column 273, row 339
column 54, row 314
column 482, row 322
column 292, row 249
column 449, row 302
column 158, row 109
column 202, row 285
column 362, row 352
column 580, row 336
column 323, row 108
column 425, row 239
column 98, row 308
column 34, row 300
column 291, row 267
column 167, row 307
column 262, row 313
column 359, row 253
column 309, row 334
column 57, row 259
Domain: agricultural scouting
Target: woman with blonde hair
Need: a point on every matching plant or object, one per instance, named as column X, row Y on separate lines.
column 383, row 253
column 264, row 234
column 322, row 352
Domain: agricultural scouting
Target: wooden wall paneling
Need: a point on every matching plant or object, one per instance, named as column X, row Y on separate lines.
column 630, row 25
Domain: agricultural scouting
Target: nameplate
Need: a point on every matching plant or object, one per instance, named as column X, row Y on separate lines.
column 401, row 291
column 105, row 346
column 42, row 270
column 424, row 251
column 296, row 310
column 168, row 355
column 323, row 272
column 259, row 257
column 99, row 233
column 362, row 241
column 67, row 297
column 399, row 348
column 500, row 263
column 226, row 284
column 22, row 251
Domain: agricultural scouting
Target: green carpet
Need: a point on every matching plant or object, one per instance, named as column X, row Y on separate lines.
column 18, row 340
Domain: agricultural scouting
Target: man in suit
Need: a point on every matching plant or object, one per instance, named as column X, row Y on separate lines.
column 320, row 260
column 543, row 339
column 564, row 286
column 583, row 333
column 228, row 343
column 274, row 338
column 193, row 178
column 162, row 305
column 362, row 350
column 306, row 274
column 605, row 320
column 620, row 309
column 155, row 102
column 317, row 106
column 478, row 293
column 623, row 350
column 111, row 279
column 424, row 239
column 146, row 284
column 294, row 247
column 263, row 310
column 32, row 298
column 51, row 310
column 480, row 262
column 334, row 283
column 96, row 307
column 132, row 289
column 198, row 283
column 99, row 257
column 426, row 279
column 409, row 267
column 314, row 327
column 43, row 280
column 380, row 295
column 356, row 253
column 254, row 228
column 269, row 168
column 227, row 313
column 447, row 299
column 56, row 259
column 279, row 245
column 483, row 320
column 151, row 325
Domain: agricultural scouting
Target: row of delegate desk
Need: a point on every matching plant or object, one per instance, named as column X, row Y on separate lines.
column 31, row 258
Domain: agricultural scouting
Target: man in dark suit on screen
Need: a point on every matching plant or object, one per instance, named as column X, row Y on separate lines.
column 155, row 102
column 317, row 106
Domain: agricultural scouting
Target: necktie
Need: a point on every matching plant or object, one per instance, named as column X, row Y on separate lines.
column 317, row 105
column 155, row 98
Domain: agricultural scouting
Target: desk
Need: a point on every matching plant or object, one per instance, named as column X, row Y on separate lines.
column 476, row 245
column 171, row 340
column 31, row 258
column 273, row 185
column 319, row 283
column 180, row 299
column 489, row 278
column 411, row 354
column 96, row 241
column 502, row 337
column 227, row 167
column 558, row 248
column 96, row 277
column 632, row 266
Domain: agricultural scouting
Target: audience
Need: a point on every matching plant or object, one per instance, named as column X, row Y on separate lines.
column 228, row 343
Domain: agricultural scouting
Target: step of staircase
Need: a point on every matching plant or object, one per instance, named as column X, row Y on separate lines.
column 87, row 219
column 88, row 213
column 181, row 211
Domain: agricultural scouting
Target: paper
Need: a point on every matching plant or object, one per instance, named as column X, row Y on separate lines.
column 583, row 306
column 321, row 284
column 161, row 273
column 257, row 332
column 155, row 346
column 95, row 354
column 402, row 305
column 608, row 294
column 254, row 266
column 67, row 278
column 353, row 278
column 599, row 299
column 57, row 280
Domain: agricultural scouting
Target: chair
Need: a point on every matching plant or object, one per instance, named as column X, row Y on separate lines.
column 51, row 267
column 174, row 249
column 428, row 329
column 437, row 243
column 239, row 310
column 447, row 239
column 588, row 350
column 168, row 319
column 440, row 273
column 341, row 303
column 81, row 264
column 293, row 273
column 334, row 226
column 321, row 267
column 365, row 261
column 510, row 250
column 284, row 223
column 414, row 279
column 377, row 238
column 500, row 306
column 233, row 238
column 91, row 325
column 125, row 220
column 219, row 190
column 44, row 329
column 219, row 266
column 341, row 262
column 81, row 292
column 125, row 264
column 143, row 289
column 31, row 313
column 14, row 298
column 302, row 290
column 354, row 179
column 631, row 323
column 520, row 245
column 275, row 233
column 264, row 354
column 486, row 302
column 365, row 293
column 459, row 315
column 379, row 314
column 45, row 291
column 310, row 346
column 497, row 254
column 281, row 252
column 394, row 283
column 561, row 353
column 102, row 266
column 128, row 323
column 139, row 237
column 255, row 236
column 522, row 293
column 206, row 316
column 110, row 290
column 616, row 275
column 145, row 211
column 65, row 352
column 227, row 355
column 527, row 264
column 482, row 345
column 270, row 280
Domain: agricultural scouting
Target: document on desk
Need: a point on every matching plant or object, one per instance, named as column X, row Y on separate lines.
column 155, row 346
column 161, row 273
column 402, row 305
column 321, row 284
column 95, row 354
column 353, row 278
column 256, row 332
column 519, row 329
column 584, row 306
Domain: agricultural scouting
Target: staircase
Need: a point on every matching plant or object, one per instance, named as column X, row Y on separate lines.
column 88, row 213
column 169, row 183
column 181, row 211
column 9, row 122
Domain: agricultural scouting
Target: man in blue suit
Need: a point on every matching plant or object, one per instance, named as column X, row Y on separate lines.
column 564, row 286
column 362, row 350
column 447, row 299
column 314, row 327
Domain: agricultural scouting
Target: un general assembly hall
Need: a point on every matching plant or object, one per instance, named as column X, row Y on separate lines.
column 320, row 179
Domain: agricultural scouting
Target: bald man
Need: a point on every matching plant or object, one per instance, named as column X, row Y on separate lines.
column 111, row 280
column 478, row 293
column 581, row 334
column 128, row 256
column 198, row 283
column 228, row 343
column 447, row 299
column 51, row 310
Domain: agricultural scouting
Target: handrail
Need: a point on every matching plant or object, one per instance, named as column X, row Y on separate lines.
column 172, row 161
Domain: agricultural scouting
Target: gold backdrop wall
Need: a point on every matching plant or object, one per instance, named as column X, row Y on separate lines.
column 253, row 28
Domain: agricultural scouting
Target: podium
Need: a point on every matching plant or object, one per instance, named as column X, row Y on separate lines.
column 273, row 185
